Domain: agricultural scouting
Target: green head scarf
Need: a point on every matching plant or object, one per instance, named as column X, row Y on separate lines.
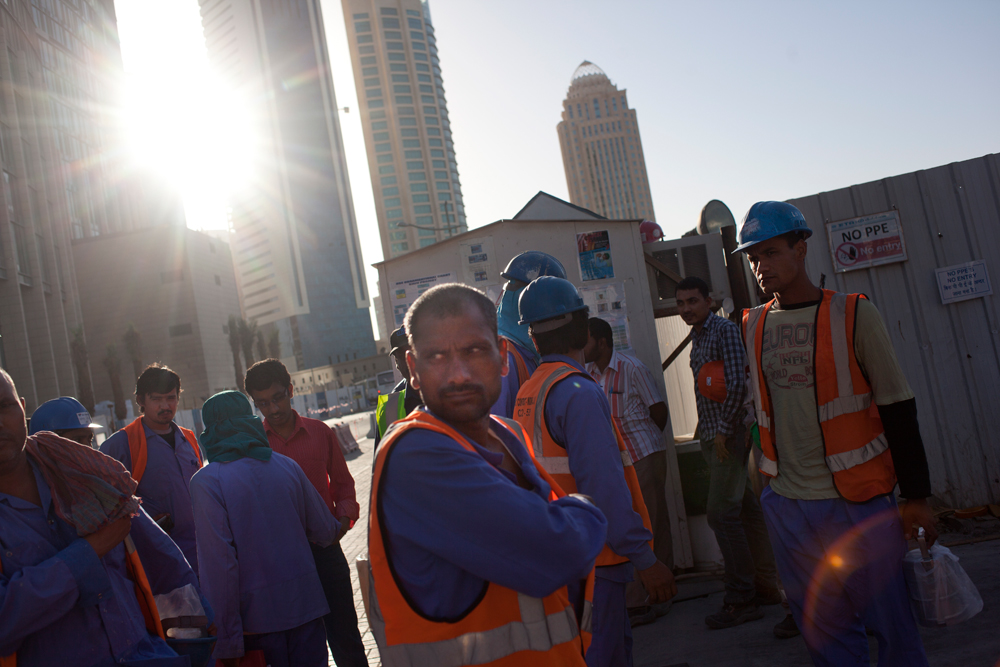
column 232, row 431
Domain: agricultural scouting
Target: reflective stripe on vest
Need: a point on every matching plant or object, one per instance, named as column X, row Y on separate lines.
column 529, row 411
column 137, row 447
column 855, row 447
column 501, row 623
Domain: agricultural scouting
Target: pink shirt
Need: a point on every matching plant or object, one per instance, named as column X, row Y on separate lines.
column 314, row 446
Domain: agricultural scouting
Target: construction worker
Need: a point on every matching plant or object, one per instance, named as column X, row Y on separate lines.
column 718, row 363
column 314, row 446
column 257, row 514
column 70, row 595
column 473, row 559
column 161, row 456
column 399, row 402
column 65, row 416
column 838, row 429
column 522, row 359
column 569, row 422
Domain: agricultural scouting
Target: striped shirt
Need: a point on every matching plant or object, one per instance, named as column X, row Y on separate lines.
column 631, row 390
column 720, row 339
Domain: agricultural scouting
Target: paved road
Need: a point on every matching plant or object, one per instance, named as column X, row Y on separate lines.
column 681, row 637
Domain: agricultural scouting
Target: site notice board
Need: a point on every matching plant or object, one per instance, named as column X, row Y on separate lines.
column 867, row 241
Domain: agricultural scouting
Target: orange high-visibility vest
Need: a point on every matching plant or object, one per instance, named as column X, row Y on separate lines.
column 143, row 594
column 520, row 365
column 137, row 447
column 503, row 628
column 856, row 450
column 529, row 412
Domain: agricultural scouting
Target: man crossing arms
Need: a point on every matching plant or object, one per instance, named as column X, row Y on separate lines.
column 472, row 561
column 838, row 425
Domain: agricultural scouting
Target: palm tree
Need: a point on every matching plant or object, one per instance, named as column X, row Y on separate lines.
column 248, row 333
column 274, row 345
column 133, row 346
column 114, row 374
column 234, row 346
column 261, row 345
column 78, row 350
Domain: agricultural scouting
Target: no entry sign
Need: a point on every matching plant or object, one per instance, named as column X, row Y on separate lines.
column 871, row 240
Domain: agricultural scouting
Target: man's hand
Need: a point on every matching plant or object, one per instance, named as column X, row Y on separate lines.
column 721, row 452
column 917, row 511
column 345, row 525
column 659, row 582
column 107, row 538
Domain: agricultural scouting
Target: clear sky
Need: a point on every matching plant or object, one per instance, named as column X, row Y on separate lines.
column 738, row 101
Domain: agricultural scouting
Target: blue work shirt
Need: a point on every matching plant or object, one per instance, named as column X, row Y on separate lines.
column 255, row 520
column 510, row 384
column 62, row 605
column 578, row 417
column 455, row 521
column 164, row 484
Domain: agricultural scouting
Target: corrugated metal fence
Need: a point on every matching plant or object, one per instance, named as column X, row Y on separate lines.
column 950, row 353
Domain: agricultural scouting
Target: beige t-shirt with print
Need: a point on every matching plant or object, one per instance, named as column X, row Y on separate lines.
column 787, row 364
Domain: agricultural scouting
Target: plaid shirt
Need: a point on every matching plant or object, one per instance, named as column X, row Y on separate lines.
column 631, row 389
column 720, row 339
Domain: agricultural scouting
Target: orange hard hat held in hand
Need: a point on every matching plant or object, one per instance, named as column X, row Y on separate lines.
column 712, row 381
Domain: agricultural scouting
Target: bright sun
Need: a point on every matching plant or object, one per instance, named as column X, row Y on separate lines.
column 185, row 126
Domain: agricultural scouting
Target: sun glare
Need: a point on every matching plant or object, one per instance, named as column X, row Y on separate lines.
column 186, row 127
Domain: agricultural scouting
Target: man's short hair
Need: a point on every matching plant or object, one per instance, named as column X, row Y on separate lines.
column 601, row 330
column 692, row 282
column 791, row 238
column 157, row 379
column 448, row 300
column 567, row 338
column 265, row 373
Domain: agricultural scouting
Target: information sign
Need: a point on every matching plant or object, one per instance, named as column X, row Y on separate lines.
column 871, row 240
column 963, row 281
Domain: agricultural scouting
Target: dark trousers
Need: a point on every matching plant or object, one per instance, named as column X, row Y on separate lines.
column 298, row 647
column 736, row 518
column 342, row 621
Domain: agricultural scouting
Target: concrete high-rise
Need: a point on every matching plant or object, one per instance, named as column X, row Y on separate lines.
column 411, row 155
column 296, row 253
column 62, row 179
column 601, row 149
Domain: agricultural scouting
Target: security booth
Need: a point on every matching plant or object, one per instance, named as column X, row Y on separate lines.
column 604, row 259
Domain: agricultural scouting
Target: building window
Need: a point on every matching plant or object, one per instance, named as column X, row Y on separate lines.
column 418, row 187
column 415, row 23
column 418, row 176
column 380, row 125
column 388, row 192
column 441, row 174
column 442, row 185
column 180, row 330
column 419, row 56
column 444, row 196
column 387, row 180
column 418, row 46
column 394, row 46
column 381, row 148
column 381, row 136
column 423, row 208
column 389, row 203
column 365, row 39
column 395, row 213
column 373, row 82
column 400, row 247
column 388, row 169
column 430, row 121
column 407, row 121
column 376, row 104
column 404, row 99
column 409, row 132
column 390, row 23
column 439, row 164
column 400, row 88
column 397, row 236
column 411, row 143
column 421, row 67
column 415, row 165
column 421, row 198
column 436, row 152
column 369, row 60
column 360, row 16
column 366, row 50
column 385, row 157
column 363, row 26
column 425, row 220
column 413, row 155
column 369, row 71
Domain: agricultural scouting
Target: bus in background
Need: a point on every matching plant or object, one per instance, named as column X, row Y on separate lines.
column 385, row 381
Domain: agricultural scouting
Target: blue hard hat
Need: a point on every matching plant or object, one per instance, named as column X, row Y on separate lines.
column 548, row 297
column 532, row 264
column 767, row 219
column 61, row 414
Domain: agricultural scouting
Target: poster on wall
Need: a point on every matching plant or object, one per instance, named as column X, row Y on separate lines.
column 871, row 240
column 594, row 249
column 479, row 267
column 963, row 281
column 405, row 292
column 608, row 303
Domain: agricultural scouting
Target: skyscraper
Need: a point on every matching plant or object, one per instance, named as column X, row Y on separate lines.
column 601, row 149
column 60, row 64
column 297, row 254
column 411, row 155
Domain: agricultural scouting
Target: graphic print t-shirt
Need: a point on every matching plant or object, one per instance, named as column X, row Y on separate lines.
column 787, row 363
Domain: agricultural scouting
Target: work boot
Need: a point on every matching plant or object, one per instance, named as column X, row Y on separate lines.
column 733, row 615
column 787, row 628
column 641, row 615
column 766, row 598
